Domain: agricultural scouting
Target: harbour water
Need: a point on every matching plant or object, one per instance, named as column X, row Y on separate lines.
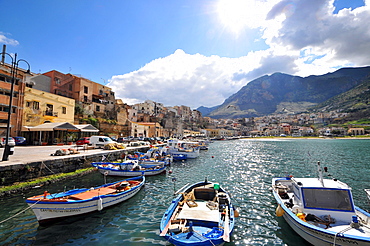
column 244, row 167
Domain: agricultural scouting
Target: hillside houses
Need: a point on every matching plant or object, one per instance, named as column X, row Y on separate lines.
column 55, row 97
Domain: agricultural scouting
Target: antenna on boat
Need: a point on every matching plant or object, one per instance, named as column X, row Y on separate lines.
column 320, row 173
column 174, row 185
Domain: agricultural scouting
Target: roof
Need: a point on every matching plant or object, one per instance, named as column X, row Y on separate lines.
column 87, row 128
column 61, row 126
column 49, row 127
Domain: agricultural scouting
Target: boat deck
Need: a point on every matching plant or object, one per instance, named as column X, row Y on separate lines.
column 200, row 212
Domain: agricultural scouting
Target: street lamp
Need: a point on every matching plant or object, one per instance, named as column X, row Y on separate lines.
column 14, row 70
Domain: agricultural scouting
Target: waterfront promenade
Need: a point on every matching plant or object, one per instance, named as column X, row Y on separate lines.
column 29, row 154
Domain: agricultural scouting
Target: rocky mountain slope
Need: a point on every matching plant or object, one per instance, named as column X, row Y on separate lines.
column 279, row 93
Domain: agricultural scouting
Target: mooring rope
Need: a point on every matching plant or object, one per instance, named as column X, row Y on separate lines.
column 341, row 232
column 24, row 210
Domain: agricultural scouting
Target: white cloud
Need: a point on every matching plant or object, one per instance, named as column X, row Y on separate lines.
column 305, row 38
column 183, row 79
column 8, row 41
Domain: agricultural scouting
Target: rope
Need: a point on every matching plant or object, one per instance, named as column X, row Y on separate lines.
column 19, row 212
column 341, row 232
column 42, row 163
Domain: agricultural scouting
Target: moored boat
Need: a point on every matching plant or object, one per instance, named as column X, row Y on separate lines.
column 49, row 207
column 129, row 168
column 321, row 211
column 176, row 146
column 202, row 214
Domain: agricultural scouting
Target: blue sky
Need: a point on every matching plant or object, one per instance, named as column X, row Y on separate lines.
column 193, row 53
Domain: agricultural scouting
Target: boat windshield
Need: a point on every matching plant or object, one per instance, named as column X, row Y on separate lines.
column 332, row 199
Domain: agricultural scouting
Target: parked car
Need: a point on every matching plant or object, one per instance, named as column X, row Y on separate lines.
column 100, row 141
column 82, row 141
column 122, row 140
column 11, row 141
column 20, row 141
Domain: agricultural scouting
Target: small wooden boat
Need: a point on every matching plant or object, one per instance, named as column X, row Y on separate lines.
column 48, row 207
column 190, row 149
column 129, row 168
column 179, row 157
column 201, row 215
column 321, row 210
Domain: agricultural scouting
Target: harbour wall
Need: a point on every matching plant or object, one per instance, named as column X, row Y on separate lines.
column 10, row 174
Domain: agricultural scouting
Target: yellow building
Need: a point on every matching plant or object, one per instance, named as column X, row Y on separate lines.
column 42, row 107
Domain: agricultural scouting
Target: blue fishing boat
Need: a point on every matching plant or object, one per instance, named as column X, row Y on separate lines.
column 129, row 168
column 202, row 214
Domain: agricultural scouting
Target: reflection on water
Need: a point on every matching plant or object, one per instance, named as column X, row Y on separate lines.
column 244, row 167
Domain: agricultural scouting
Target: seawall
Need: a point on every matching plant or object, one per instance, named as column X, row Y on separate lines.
column 21, row 171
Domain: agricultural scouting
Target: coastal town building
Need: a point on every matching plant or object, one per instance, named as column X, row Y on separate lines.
column 41, row 107
column 21, row 78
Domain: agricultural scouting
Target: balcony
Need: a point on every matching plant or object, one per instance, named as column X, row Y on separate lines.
column 51, row 113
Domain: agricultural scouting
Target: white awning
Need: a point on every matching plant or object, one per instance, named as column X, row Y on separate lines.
column 49, row 127
column 87, row 128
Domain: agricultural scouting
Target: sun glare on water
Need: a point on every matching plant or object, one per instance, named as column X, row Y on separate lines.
column 236, row 15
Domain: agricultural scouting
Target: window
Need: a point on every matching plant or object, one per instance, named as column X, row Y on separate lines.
column 70, row 87
column 28, row 104
column 327, row 199
column 85, row 98
column 86, row 89
column 97, row 108
column 49, row 110
column 57, row 81
column 36, row 105
column 64, row 110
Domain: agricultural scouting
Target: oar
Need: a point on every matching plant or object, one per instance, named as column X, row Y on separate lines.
column 226, row 236
column 164, row 232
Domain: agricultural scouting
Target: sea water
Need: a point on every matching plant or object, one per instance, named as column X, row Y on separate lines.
column 243, row 167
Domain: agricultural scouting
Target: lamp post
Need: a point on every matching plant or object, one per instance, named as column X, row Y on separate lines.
column 14, row 69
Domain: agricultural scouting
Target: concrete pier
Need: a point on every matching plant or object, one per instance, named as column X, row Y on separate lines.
column 29, row 162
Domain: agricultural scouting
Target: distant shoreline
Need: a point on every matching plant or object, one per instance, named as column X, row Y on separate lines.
column 288, row 137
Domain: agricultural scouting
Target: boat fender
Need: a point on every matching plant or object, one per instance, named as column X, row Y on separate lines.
column 279, row 211
column 100, row 204
column 236, row 213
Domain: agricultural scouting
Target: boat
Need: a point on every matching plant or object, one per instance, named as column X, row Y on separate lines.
column 200, row 215
column 176, row 146
column 50, row 207
column 129, row 168
column 154, row 154
column 179, row 157
column 321, row 210
column 368, row 193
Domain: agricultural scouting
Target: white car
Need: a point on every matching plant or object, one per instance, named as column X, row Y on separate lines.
column 11, row 141
column 100, row 141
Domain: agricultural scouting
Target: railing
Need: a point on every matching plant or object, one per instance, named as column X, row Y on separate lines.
column 51, row 113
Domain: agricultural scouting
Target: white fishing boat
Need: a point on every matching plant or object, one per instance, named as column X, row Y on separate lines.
column 130, row 168
column 49, row 207
column 176, row 146
column 321, row 210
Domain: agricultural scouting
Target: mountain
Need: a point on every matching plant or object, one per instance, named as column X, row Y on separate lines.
column 205, row 110
column 356, row 102
column 283, row 93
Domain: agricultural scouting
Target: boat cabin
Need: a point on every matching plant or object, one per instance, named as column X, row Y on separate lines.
column 321, row 196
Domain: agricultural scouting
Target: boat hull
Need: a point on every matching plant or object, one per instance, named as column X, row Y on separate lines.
column 47, row 211
column 123, row 173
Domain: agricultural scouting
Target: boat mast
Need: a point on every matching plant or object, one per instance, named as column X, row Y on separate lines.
column 320, row 173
